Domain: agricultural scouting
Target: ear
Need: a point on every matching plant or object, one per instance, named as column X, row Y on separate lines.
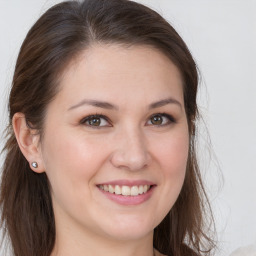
column 29, row 142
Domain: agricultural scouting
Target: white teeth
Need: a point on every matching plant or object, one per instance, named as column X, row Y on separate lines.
column 118, row 190
column 111, row 189
column 125, row 190
column 134, row 191
column 141, row 190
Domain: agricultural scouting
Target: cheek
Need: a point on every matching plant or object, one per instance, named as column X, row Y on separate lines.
column 71, row 164
column 70, row 161
column 173, row 155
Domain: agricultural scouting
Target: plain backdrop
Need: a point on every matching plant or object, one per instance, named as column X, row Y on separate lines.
column 221, row 35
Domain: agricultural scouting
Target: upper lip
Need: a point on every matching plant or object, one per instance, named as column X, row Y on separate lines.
column 129, row 183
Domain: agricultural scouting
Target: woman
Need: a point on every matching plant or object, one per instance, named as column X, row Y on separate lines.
column 100, row 155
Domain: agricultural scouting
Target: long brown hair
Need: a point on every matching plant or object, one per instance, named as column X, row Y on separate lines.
column 55, row 39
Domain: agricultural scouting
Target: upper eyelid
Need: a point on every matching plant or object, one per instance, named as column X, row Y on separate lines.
column 169, row 116
column 83, row 120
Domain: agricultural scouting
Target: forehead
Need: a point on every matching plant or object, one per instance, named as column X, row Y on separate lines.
column 115, row 70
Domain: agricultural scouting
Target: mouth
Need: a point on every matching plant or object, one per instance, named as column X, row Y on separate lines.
column 127, row 193
column 125, row 190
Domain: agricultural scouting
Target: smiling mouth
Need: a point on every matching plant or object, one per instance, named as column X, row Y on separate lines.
column 125, row 190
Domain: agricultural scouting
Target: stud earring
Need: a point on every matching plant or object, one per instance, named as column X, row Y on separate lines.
column 34, row 164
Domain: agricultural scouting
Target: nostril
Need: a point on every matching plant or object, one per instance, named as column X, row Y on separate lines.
column 131, row 152
column 130, row 160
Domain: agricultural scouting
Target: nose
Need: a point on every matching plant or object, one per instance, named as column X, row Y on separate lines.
column 131, row 151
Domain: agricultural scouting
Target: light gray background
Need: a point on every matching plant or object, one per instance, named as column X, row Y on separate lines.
column 221, row 35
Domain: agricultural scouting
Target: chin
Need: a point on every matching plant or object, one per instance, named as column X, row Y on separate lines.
column 128, row 229
column 128, row 235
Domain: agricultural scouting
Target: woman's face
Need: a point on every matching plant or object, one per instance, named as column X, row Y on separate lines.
column 116, row 142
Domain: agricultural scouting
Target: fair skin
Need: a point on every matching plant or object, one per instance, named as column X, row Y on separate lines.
column 119, row 121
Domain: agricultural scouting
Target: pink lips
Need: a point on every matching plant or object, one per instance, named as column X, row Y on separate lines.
column 128, row 200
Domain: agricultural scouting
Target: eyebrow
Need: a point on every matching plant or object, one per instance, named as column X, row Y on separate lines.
column 164, row 102
column 107, row 105
column 95, row 103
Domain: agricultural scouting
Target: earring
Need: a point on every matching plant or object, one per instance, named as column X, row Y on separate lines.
column 34, row 164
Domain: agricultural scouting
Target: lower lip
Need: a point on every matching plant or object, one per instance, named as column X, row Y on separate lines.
column 129, row 200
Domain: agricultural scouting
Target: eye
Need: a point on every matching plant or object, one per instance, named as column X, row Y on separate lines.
column 160, row 119
column 96, row 121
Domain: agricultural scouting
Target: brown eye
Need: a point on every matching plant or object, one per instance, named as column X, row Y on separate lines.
column 160, row 119
column 96, row 121
column 156, row 120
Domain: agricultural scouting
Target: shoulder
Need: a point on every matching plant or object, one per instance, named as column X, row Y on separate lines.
column 157, row 253
column 185, row 253
column 188, row 251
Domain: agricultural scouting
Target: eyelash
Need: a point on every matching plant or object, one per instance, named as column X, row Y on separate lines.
column 95, row 116
column 84, row 121
column 170, row 118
